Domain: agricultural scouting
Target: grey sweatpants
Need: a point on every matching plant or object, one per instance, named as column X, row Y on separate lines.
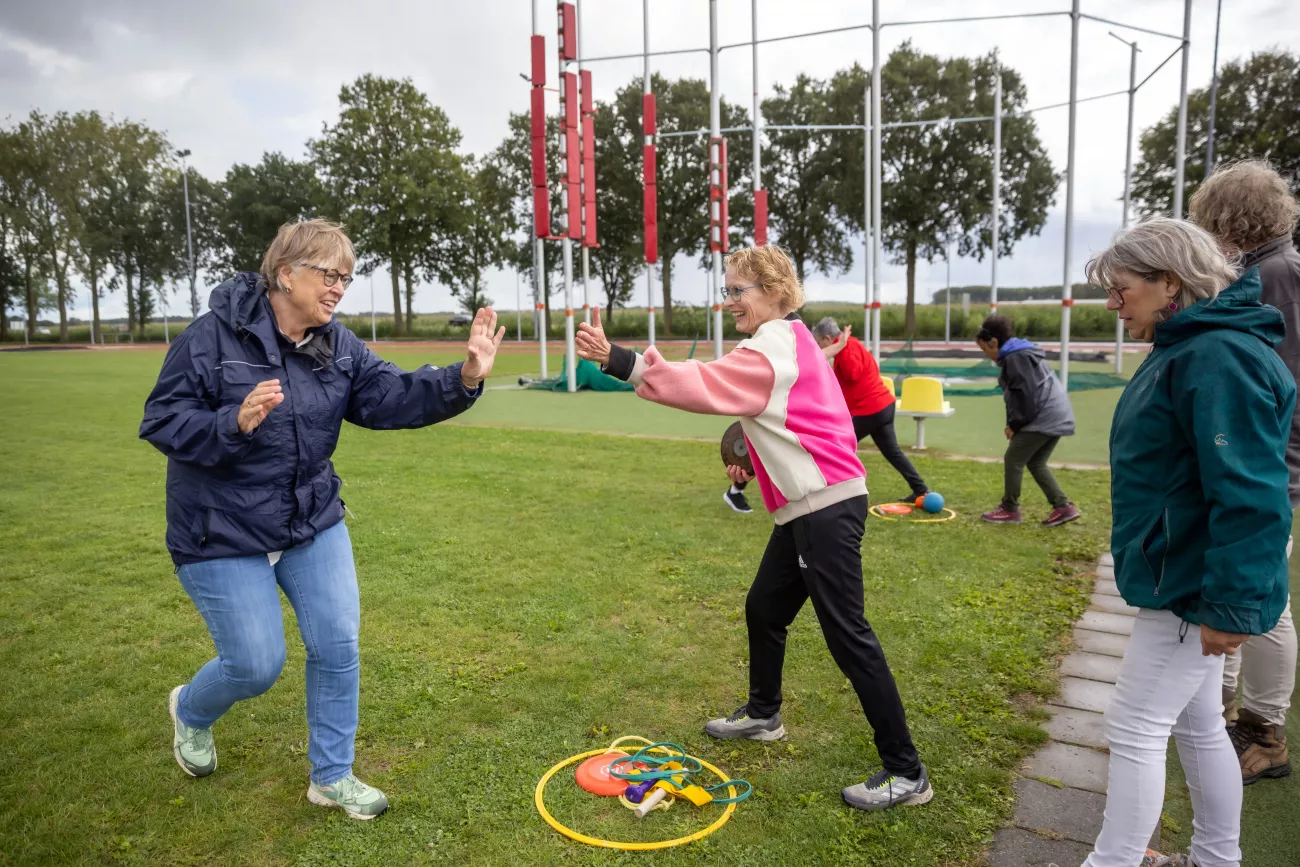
column 1266, row 666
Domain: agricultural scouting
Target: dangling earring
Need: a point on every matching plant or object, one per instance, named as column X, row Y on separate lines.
column 1173, row 306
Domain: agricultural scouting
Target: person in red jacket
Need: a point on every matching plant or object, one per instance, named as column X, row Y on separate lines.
column 870, row 403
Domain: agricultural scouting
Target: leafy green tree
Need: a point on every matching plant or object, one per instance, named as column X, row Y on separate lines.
column 483, row 240
column 938, row 178
column 1257, row 116
column 619, row 261
column 255, row 202
column 802, row 174
column 392, row 174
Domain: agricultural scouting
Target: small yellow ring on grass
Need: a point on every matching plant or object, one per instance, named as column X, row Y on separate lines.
column 948, row 515
column 615, row 844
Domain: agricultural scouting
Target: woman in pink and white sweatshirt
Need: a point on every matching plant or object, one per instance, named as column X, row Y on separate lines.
column 804, row 451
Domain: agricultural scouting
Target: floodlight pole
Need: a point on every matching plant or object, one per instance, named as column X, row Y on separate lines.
column 1214, row 95
column 519, row 311
column 760, row 198
column 373, row 336
column 1067, row 301
column 867, row 299
column 876, row 175
column 947, row 296
column 189, row 235
column 1128, row 181
column 1181, row 142
column 997, row 185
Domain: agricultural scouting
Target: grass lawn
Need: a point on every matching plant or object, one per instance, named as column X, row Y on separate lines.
column 526, row 595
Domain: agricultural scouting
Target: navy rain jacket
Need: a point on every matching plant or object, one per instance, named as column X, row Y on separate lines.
column 231, row 495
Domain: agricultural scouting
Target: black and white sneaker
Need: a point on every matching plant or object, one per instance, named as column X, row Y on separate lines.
column 886, row 789
column 741, row 725
column 736, row 500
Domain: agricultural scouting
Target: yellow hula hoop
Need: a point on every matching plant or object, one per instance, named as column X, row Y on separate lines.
column 949, row 514
column 616, row 844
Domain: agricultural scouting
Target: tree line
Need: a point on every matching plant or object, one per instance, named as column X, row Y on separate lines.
column 95, row 204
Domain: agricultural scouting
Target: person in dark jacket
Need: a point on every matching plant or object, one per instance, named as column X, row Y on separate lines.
column 1250, row 210
column 1200, row 519
column 248, row 409
column 1038, row 415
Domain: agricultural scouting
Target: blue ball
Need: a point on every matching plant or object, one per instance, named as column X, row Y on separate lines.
column 933, row 502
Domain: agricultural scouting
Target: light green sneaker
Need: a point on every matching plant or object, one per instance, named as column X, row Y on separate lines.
column 351, row 795
column 193, row 748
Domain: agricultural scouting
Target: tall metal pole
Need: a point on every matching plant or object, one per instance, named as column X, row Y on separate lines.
column 715, row 131
column 1214, row 94
column 189, row 235
column 866, row 216
column 586, row 258
column 876, row 175
column 519, row 310
column 947, row 296
column 1128, row 184
column 645, row 82
column 566, row 245
column 539, row 268
column 1181, row 143
column 373, row 335
column 997, row 186
column 167, row 330
column 1067, row 300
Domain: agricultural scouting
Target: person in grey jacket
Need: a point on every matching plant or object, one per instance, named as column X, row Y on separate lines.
column 1250, row 210
column 1038, row 415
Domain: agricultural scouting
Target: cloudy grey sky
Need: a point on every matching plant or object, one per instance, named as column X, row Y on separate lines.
column 230, row 80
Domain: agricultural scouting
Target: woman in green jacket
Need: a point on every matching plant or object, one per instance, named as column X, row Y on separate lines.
column 1200, row 523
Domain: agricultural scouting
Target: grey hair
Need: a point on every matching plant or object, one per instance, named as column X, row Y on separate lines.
column 827, row 328
column 1163, row 246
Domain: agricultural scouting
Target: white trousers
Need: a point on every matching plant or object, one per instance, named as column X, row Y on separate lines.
column 1166, row 686
column 1266, row 665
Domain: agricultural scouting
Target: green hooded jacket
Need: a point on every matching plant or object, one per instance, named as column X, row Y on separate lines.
column 1198, row 470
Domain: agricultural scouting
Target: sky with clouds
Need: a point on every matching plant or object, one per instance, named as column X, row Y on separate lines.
column 230, row 80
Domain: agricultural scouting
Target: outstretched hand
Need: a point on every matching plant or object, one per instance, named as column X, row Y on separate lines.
column 840, row 342
column 591, row 340
column 481, row 351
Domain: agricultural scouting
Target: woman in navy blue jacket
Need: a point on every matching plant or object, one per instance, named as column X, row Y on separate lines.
column 248, row 409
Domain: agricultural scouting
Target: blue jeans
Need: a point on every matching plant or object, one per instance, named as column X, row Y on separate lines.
column 238, row 599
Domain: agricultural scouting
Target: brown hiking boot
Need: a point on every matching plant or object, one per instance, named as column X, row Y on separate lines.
column 1261, row 748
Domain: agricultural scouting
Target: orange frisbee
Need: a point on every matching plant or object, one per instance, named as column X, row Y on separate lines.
column 593, row 775
column 895, row 508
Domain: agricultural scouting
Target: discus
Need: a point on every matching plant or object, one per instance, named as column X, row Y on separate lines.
column 735, row 450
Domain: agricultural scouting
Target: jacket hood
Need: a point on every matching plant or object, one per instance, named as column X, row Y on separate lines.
column 236, row 301
column 1018, row 344
column 1236, row 308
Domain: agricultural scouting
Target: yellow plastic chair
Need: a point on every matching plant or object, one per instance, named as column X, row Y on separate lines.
column 923, row 398
column 889, row 385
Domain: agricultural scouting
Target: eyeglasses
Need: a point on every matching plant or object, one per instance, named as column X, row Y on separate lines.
column 734, row 292
column 1116, row 294
column 331, row 275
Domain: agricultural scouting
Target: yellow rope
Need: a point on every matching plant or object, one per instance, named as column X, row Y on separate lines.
column 615, row 844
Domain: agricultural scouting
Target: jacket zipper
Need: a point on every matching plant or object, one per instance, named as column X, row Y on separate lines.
column 207, row 523
column 1164, row 527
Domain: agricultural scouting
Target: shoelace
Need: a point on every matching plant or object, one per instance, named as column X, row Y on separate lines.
column 1242, row 736
column 880, row 780
column 200, row 739
column 741, row 713
column 350, row 789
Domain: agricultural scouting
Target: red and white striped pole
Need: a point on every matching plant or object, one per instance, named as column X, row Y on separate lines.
column 650, row 194
column 566, row 16
column 541, row 193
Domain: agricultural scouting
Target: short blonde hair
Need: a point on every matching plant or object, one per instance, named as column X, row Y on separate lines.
column 1164, row 246
column 316, row 242
column 1245, row 205
column 769, row 267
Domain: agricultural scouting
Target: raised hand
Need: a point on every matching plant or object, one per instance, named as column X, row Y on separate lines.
column 591, row 341
column 481, row 351
column 264, row 397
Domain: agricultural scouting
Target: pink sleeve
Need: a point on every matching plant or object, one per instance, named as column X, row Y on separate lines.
column 738, row 384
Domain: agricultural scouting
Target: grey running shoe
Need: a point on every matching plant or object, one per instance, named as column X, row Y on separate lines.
column 354, row 797
column 741, row 725
column 885, row 790
column 193, row 748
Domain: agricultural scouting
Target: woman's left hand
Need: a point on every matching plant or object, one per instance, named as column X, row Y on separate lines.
column 481, row 352
column 1216, row 643
column 591, row 341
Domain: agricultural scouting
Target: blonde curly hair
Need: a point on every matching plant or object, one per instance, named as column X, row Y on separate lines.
column 769, row 267
column 1245, row 205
